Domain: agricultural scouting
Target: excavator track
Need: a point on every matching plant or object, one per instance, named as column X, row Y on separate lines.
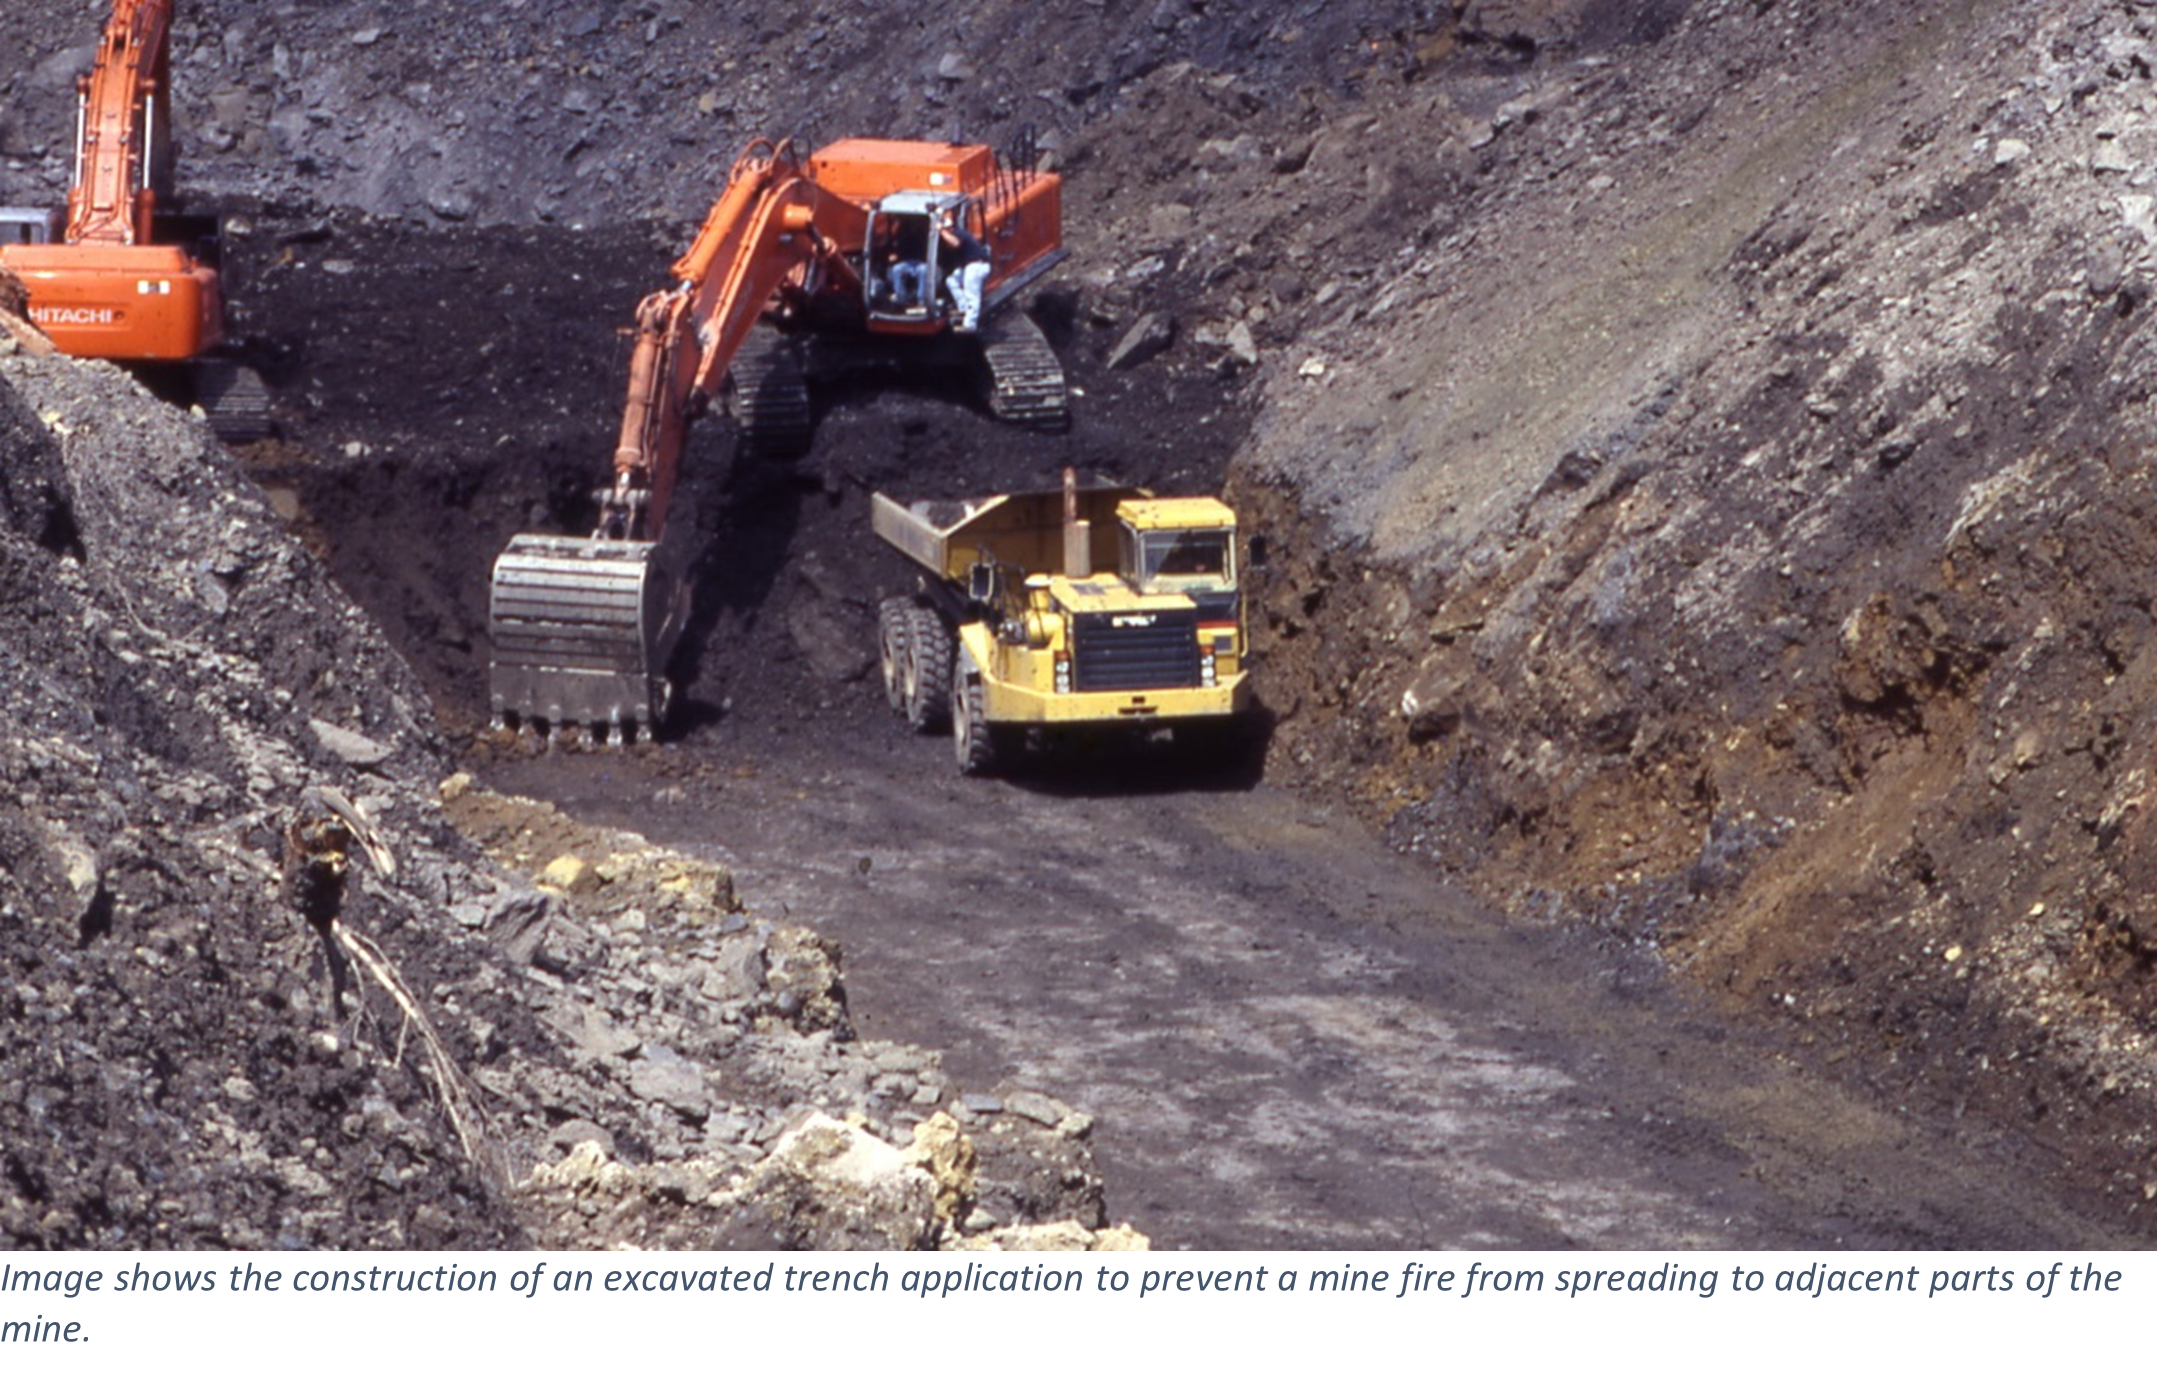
column 582, row 632
column 1025, row 380
column 768, row 396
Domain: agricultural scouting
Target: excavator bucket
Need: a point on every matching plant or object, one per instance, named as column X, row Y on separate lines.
column 582, row 631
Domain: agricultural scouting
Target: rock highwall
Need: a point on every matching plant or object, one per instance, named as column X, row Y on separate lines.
column 185, row 1067
column 1727, row 521
column 538, row 110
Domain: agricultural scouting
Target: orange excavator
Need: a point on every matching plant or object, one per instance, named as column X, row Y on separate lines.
column 869, row 252
column 122, row 275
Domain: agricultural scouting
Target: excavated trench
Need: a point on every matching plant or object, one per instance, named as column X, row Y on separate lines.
column 1290, row 1035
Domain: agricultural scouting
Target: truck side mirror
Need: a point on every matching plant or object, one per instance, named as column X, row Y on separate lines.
column 981, row 583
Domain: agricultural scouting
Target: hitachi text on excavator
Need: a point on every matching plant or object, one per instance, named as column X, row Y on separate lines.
column 900, row 252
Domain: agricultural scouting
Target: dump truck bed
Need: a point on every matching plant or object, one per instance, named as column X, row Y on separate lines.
column 1021, row 530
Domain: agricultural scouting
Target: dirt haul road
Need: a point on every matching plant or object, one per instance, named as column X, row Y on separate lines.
column 1289, row 1036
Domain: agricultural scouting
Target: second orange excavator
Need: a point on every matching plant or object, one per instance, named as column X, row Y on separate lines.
column 122, row 275
column 867, row 252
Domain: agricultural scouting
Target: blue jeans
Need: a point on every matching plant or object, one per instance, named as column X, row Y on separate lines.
column 909, row 282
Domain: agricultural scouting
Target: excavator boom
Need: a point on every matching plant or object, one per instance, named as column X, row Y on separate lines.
column 583, row 628
column 125, row 147
column 762, row 230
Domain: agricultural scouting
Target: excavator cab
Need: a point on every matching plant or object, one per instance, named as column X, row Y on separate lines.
column 902, row 255
column 18, row 225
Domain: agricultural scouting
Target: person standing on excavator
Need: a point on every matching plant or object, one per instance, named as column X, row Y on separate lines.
column 969, row 271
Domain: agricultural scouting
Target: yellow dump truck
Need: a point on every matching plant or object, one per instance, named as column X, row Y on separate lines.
column 1053, row 610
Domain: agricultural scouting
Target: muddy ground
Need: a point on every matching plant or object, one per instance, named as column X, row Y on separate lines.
column 1289, row 1036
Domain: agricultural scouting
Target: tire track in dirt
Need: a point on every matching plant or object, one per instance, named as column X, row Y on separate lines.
column 1290, row 1036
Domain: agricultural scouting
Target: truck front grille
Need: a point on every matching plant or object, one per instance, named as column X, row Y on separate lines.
column 1134, row 651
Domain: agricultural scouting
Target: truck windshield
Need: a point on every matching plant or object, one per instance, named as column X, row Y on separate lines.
column 1187, row 560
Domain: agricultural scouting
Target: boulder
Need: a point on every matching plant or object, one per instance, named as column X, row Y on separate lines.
column 831, row 1186
column 1152, row 333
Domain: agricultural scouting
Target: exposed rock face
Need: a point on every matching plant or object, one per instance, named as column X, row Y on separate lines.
column 192, row 1060
column 1744, row 468
column 594, row 115
column 826, row 1185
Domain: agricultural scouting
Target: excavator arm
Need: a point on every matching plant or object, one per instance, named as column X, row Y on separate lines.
column 760, row 235
column 583, row 628
column 121, row 153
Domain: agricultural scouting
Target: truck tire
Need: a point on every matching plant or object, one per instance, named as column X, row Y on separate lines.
column 973, row 740
column 928, row 700
column 895, row 648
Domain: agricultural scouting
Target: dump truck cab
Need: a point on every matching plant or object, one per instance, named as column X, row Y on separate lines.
column 1181, row 546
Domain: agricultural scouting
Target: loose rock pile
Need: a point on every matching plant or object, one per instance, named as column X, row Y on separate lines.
column 192, row 1060
column 260, row 989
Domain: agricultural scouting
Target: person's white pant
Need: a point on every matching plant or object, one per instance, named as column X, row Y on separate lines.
column 965, row 286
